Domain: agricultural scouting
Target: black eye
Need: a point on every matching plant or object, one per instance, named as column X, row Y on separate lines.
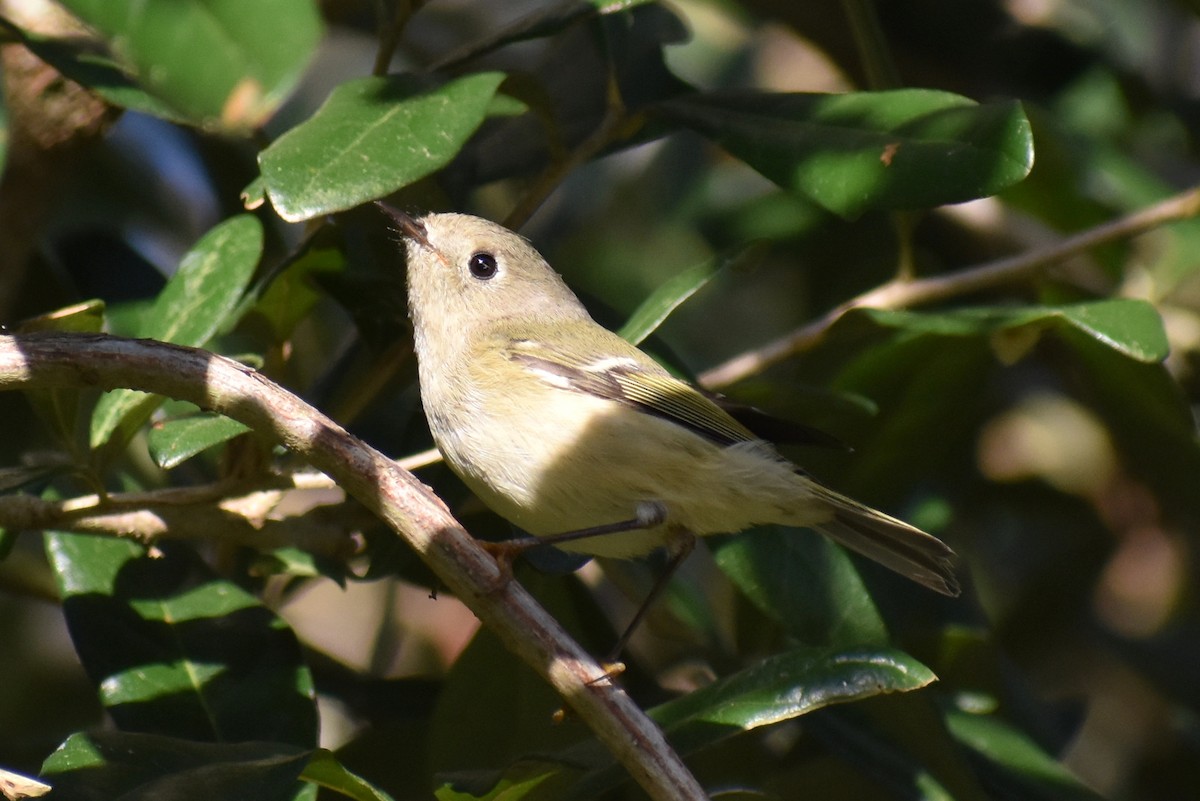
column 483, row 265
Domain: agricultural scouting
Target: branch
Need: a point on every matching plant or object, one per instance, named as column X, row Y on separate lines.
column 200, row 513
column 902, row 293
column 37, row 361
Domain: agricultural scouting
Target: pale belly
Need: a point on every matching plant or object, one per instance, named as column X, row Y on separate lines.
column 576, row 466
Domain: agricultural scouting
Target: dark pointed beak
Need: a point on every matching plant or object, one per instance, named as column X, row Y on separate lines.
column 408, row 226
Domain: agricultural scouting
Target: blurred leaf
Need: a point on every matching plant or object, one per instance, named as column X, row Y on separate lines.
column 370, row 138
column 1017, row 768
column 175, row 650
column 173, row 442
column 655, row 309
column 99, row 73
column 1130, row 327
column 804, row 582
column 1149, row 417
column 17, row 478
column 910, row 148
column 219, row 64
column 194, row 305
column 108, row 765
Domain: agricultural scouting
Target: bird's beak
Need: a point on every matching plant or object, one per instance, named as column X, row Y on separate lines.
column 408, row 226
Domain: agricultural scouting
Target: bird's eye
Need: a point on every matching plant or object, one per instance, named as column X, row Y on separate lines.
column 483, row 265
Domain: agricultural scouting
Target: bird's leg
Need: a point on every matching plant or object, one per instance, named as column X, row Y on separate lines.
column 679, row 545
column 649, row 514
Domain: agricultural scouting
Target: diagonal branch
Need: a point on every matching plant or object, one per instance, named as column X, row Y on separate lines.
column 404, row 503
column 902, row 293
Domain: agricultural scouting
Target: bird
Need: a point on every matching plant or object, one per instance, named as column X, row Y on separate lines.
column 579, row 438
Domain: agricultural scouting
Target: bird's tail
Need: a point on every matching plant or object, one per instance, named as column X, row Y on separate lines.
column 892, row 543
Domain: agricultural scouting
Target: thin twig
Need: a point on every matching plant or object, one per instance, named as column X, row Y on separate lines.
column 43, row 361
column 185, row 513
column 900, row 293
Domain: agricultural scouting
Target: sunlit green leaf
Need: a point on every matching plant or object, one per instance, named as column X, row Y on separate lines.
column 194, row 305
column 779, row 688
column 173, row 442
column 1130, row 327
column 325, row 770
column 372, row 137
column 221, row 64
column 909, row 148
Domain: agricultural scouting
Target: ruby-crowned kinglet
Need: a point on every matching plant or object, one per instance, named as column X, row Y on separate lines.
column 559, row 425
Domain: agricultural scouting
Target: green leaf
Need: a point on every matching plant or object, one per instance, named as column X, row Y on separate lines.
column 370, row 138
column 194, row 305
column 217, row 64
column 173, row 442
column 524, row 781
column 787, row 685
column 324, row 769
column 86, row 317
column 175, row 650
column 106, row 765
column 1133, row 328
column 655, row 309
column 779, row 688
column 850, row 153
column 804, row 582
column 1017, row 767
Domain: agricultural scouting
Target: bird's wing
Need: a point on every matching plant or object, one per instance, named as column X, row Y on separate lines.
column 628, row 379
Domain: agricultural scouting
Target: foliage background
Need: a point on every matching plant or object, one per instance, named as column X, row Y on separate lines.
column 1050, row 443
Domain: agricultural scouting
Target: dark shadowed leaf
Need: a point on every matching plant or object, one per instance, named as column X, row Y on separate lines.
column 803, row 582
column 107, row 766
column 175, row 650
column 538, row 24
